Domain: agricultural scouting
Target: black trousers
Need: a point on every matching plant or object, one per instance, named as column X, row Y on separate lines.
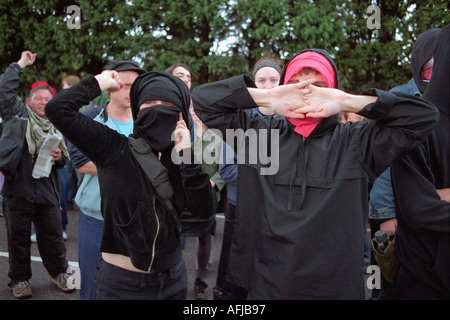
column 225, row 290
column 115, row 283
column 19, row 214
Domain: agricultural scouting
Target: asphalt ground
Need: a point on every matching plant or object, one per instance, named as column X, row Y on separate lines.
column 44, row 289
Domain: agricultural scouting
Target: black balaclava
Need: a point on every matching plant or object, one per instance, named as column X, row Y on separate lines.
column 157, row 123
column 438, row 93
column 422, row 52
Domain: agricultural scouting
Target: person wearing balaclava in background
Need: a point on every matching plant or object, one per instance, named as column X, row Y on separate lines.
column 381, row 203
column 298, row 236
column 141, row 253
column 421, row 184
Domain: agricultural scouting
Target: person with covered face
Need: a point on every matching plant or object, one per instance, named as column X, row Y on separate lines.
column 381, row 204
column 422, row 60
column 298, row 235
column 382, row 208
column 421, row 185
column 141, row 253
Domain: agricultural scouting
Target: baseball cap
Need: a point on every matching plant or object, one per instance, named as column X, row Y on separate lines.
column 124, row 65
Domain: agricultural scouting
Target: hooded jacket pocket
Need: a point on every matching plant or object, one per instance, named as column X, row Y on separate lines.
column 140, row 232
column 293, row 190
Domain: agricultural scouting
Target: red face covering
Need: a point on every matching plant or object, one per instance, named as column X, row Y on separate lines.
column 316, row 61
column 427, row 69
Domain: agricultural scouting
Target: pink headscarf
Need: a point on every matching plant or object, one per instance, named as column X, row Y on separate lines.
column 316, row 61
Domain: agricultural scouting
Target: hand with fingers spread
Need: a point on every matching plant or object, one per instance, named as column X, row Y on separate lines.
column 181, row 135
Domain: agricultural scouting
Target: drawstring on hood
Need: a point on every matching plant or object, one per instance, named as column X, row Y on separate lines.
column 294, row 174
column 291, row 181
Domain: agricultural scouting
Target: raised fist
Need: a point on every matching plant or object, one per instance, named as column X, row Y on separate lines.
column 27, row 59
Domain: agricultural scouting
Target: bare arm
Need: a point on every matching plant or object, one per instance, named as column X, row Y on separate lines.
column 89, row 168
column 444, row 194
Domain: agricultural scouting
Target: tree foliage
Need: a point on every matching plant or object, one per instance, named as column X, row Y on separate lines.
column 217, row 38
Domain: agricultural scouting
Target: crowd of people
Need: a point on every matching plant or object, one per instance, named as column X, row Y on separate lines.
column 344, row 162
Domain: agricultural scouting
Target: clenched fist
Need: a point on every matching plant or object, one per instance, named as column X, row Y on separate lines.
column 27, row 59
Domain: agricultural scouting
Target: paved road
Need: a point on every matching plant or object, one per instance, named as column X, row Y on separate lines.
column 44, row 289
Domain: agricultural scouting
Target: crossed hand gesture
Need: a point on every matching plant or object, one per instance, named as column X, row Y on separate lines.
column 304, row 99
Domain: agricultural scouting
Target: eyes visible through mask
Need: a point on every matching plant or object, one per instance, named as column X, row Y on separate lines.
column 152, row 103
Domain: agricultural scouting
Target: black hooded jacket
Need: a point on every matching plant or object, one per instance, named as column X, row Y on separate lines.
column 423, row 230
column 299, row 233
column 136, row 223
column 421, row 54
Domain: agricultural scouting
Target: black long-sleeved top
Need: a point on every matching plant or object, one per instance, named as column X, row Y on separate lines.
column 136, row 224
column 300, row 232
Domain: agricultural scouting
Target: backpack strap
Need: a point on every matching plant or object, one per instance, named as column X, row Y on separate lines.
column 157, row 174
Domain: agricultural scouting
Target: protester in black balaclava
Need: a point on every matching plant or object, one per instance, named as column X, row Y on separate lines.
column 381, row 202
column 421, row 183
column 157, row 123
column 421, row 55
column 141, row 251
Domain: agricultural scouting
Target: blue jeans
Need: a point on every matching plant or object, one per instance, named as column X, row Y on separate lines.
column 381, row 205
column 89, row 238
column 115, row 283
column 65, row 186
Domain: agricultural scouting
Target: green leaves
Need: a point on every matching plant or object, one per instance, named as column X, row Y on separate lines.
column 160, row 33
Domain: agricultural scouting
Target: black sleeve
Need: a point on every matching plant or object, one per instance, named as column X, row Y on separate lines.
column 199, row 197
column 10, row 104
column 416, row 196
column 90, row 137
column 218, row 104
column 76, row 156
column 400, row 123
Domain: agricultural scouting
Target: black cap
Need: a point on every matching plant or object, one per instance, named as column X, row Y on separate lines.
column 124, row 65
